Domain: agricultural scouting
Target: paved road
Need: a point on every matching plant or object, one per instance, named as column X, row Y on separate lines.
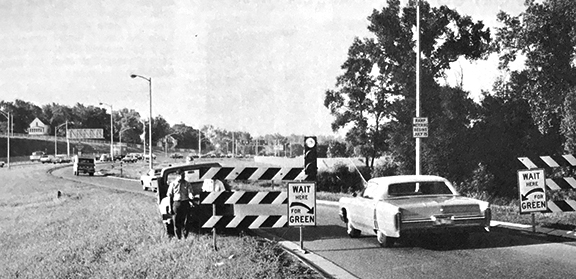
column 495, row 255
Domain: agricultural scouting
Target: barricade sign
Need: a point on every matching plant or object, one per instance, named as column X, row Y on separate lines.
column 302, row 204
column 532, row 191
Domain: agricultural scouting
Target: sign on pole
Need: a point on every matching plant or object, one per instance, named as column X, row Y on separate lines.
column 302, row 204
column 420, row 127
column 532, row 191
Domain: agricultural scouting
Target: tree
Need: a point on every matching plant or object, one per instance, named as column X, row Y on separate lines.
column 375, row 96
column 544, row 35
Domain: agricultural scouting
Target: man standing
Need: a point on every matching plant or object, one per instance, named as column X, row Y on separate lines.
column 181, row 194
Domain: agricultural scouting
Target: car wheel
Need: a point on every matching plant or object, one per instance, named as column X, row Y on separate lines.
column 385, row 241
column 352, row 232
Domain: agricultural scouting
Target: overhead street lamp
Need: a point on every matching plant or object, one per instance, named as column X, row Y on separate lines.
column 8, row 125
column 150, row 116
column 111, row 130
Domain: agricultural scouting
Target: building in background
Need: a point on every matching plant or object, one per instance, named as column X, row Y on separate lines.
column 37, row 127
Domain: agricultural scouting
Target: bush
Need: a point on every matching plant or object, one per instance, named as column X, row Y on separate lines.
column 385, row 168
column 342, row 179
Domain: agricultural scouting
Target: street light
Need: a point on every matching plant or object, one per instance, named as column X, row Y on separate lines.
column 55, row 138
column 150, row 116
column 111, row 130
column 144, row 137
column 8, row 125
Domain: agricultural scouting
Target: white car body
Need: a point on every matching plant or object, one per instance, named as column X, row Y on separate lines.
column 149, row 180
column 394, row 206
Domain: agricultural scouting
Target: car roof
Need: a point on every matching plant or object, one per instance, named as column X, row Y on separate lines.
column 406, row 178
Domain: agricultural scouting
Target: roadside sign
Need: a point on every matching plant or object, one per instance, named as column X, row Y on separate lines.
column 302, row 204
column 420, row 127
column 532, row 191
column 85, row 133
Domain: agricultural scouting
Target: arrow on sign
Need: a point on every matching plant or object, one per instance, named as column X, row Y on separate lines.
column 310, row 210
column 525, row 197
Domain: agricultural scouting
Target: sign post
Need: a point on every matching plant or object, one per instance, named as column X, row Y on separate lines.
column 302, row 206
column 532, row 192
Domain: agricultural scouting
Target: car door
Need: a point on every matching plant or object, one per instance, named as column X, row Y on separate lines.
column 361, row 211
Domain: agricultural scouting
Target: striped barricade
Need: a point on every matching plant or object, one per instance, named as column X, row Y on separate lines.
column 253, row 173
column 252, row 210
column 557, row 183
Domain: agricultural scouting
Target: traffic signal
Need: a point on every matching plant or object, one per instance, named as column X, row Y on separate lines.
column 310, row 158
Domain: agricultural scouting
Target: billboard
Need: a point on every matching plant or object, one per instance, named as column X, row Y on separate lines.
column 85, row 133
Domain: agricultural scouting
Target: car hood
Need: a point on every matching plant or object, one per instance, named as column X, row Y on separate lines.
column 426, row 206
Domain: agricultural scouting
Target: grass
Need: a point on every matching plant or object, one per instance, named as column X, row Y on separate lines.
column 96, row 233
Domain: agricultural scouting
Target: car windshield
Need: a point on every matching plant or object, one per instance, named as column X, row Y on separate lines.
column 85, row 160
column 419, row 188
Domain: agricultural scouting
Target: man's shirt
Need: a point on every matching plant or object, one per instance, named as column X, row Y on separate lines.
column 180, row 190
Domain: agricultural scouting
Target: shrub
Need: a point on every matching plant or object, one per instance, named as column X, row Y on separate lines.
column 342, row 179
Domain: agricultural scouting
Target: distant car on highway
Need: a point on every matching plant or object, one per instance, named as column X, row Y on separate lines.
column 147, row 156
column 84, row 165
column 149, row 180
column 104, row 158
column 130, row 158
column 61, row 159
column 176, row 156
column 36, row 155
column 2, row 164
column 46, row 159
column 395, row 206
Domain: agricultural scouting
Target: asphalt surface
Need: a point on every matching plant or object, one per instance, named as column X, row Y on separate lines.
column 508, row 251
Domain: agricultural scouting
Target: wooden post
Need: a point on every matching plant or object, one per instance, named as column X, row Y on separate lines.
column 214, row 229
column 533, row 222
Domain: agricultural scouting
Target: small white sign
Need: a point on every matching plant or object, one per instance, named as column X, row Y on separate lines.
column 532, row 191
column 420, row 127
column 302, row 204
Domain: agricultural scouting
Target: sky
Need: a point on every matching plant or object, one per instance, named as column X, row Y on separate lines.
column 261, row 67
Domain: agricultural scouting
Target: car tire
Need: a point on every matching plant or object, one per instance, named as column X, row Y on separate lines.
column 385, row 241
column 351, row 231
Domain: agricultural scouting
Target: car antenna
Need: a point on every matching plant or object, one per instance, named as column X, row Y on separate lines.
column 360, row 173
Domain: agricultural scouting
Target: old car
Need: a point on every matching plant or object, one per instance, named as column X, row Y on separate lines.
column 149, row 180
column 176, row 156
column 46, row 159
column 130, row 158
column 84, row 165
column 397, row 206
column 61, row 159
column 36, row 155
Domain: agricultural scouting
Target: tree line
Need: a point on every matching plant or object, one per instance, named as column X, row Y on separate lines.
column 529, row 111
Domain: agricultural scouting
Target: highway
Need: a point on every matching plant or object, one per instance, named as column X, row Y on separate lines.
column 499, row 254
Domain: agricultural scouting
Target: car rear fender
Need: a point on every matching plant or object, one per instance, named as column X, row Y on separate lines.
column 387, row 219
column 164, row 210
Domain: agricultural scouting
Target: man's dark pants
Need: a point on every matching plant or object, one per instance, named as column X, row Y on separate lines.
column 181, row 211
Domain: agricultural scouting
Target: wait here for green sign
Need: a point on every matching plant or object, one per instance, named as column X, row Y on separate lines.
column 532, row 191
column 302, row 204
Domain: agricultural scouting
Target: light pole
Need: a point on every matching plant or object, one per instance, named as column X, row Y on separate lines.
column 144, row 137
column 150, row 116
column 8, row 125
column 111, row 130
column 56, row 138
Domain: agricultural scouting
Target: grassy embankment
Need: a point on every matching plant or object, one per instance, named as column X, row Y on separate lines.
column 91, row 232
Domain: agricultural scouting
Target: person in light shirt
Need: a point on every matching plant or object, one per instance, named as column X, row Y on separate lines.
column 181, row 194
